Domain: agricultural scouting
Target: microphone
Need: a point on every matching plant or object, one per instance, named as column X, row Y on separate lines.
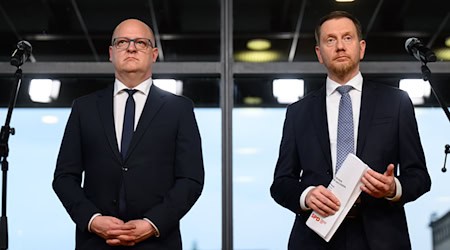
column 21, row 54
column 416, row 48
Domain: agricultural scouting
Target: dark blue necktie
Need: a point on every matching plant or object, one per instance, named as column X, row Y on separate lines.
column 345, row 133
column 127, row 134
column 128, row 123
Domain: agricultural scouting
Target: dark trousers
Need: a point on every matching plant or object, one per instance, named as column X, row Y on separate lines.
column 349, row 236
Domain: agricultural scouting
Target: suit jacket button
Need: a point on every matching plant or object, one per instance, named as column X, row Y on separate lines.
column 125, row 169
column 328, row 172
column 114, row 201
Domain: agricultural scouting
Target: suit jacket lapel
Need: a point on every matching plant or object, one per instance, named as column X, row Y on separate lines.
column 319, row 117
column 106, row 113
column 154, row 102
column 368, row 100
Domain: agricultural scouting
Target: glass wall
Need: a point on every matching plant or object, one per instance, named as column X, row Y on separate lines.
column 37, row 219
column 70, row 40
column 260, row 223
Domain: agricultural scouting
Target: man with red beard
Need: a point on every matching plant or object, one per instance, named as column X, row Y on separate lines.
column 381, row 129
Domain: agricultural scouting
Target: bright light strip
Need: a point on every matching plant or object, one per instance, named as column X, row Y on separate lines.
column 170, row 85
column 44, row 90
column 417, row 89
column 288, row 90
column 257, row 56
column 49, row 119
column 344, row 1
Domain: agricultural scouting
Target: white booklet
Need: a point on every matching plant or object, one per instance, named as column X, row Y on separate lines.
column 346, row 187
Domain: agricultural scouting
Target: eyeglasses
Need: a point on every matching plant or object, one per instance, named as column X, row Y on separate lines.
column 123, row 43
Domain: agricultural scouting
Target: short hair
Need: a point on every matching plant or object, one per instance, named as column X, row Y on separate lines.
column 337, row 15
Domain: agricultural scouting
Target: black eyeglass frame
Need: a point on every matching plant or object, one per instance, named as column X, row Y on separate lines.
column 129, row 40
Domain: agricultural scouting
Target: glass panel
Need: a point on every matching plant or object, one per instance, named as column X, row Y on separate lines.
column 434, row 133
column 33, row 153
column 202, row 90
column 260, row 223
column 33, row 209
column 201, row 227
column 259, row 92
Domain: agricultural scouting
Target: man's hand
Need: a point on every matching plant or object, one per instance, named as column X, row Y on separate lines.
column 322, row 201
column 379, row 185
column 141, row 230
column 109, row 228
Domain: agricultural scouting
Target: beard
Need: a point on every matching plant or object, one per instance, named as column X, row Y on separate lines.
column 343, row 69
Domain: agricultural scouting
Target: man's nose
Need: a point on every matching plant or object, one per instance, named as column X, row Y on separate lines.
column 340, row 44
column 131, row 46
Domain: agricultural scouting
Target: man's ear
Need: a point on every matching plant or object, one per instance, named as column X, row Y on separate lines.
column 110, row 53
column 319, row 55
column 362, row 49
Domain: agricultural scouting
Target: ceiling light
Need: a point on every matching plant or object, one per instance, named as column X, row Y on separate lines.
column 259, row 44
column 252, row 100
column 44, row 90
column 257, row 56
column 288, row 90
column 417, row 89
column 344, row 1
column 170, row 85
column 443, row 54
column 447, row 42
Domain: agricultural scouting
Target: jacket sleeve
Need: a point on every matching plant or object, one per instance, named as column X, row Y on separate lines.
column 413, row 175
column 286, row 188
column 189, row 175
column 68, row 174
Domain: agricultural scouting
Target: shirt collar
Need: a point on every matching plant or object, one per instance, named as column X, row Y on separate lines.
column 143, row 87
column 356, row 82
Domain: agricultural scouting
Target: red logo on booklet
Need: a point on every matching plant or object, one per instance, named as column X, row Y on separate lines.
column 318, row 219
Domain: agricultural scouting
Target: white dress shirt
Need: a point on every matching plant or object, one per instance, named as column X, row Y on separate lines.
column 332, row 101
column 120, row 99
column 333, row 98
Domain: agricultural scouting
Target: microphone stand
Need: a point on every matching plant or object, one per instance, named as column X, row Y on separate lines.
column 446, row 151
column 426, row 75
column 6, row 131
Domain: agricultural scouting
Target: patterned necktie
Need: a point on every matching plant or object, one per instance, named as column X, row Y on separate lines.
column 345, row 132
column 127, row 134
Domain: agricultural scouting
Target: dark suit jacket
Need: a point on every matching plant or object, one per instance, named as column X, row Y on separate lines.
column 162, row 173
column 387, row 134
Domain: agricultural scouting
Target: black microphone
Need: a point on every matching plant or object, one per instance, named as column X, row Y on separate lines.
column 21, row 54
column 416, row 48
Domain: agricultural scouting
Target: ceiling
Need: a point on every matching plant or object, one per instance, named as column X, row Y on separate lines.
column 80, row 30
column 189, row 31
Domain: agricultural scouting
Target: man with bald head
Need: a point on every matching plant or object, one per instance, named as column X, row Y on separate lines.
column 130, row 164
